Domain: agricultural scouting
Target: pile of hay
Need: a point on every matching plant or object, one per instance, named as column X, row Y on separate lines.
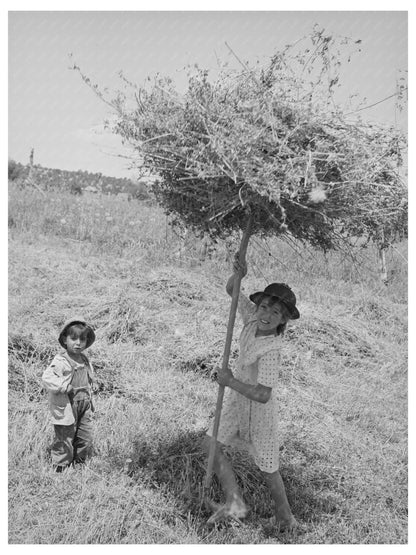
column 271, row 138
column 179, row 465
column 27, row 359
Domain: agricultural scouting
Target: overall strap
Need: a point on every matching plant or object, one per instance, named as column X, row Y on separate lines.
column 90, row 372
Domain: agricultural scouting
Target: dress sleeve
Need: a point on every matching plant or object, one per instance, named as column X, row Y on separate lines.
column 246, row 308
column 268, row 374
column 57, row 375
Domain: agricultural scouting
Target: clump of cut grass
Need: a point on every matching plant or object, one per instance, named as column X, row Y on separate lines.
column 26, row 362
column 179, row 464
column 174, row 288
column 27, row 350
column 25, row 379
column 128, row 323
column 205, row 364
column 328, row 338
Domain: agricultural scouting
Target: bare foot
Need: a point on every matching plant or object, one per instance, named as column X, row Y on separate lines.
column 278, row 526
column 236, row 509
column 287, row 525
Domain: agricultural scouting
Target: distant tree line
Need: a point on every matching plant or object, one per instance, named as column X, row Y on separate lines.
column 76, row 182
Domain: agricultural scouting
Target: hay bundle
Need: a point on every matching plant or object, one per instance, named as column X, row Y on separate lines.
column 179, row 464
column 26, row 360
column 27, row 350
column 271, row 138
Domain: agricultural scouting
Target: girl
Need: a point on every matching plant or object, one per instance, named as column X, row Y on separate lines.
column 69, row 380
column 249, row 413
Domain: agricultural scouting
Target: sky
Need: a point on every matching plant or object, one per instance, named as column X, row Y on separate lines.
column 51, row 110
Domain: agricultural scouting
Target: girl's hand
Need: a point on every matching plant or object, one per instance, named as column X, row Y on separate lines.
column 225, row 377
column 238, row 266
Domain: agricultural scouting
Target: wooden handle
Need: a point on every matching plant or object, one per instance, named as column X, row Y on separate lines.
column 227, row 349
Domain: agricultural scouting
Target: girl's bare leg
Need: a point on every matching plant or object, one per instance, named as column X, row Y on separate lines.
column 284, row 517
column 234, row 503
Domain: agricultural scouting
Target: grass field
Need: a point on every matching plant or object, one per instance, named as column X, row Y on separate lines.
column 160, row 312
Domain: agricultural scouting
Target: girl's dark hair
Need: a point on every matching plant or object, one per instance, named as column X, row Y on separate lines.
column 280, row 330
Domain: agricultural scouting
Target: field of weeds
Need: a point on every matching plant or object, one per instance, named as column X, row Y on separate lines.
column 158, row 304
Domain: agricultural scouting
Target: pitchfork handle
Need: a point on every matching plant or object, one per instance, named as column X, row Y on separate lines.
column 227, row 349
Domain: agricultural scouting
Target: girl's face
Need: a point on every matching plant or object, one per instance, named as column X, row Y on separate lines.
column 75, row 343
column 270, row 314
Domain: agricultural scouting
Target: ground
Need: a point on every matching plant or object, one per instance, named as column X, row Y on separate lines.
column 160, row 312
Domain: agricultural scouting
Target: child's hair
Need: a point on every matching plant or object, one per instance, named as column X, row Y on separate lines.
column 280, row 330
column 76, row 331
column 76, row 327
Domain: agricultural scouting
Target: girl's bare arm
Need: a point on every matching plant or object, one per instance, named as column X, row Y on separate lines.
column 259, row 393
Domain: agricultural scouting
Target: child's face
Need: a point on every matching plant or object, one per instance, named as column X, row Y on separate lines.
column 270, row 315
column 75, row 343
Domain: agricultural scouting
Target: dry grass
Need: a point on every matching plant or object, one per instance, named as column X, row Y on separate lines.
column 160, row 315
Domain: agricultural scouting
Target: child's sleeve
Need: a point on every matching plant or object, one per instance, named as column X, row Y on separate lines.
column 57, row 376
column 268, row 373
column 246, row 308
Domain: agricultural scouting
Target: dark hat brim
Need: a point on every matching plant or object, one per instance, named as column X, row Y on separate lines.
column 90, row 336
column 293, row 311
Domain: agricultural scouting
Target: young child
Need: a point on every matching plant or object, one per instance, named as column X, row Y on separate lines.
column 249, row 415
column 68, row 380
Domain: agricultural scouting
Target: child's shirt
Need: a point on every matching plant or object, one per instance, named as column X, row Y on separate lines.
column 254, row 423
column 60, row 373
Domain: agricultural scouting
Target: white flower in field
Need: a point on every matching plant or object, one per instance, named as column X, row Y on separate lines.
column 179, row 332
column 132, row 223
column 317, row 194
column 108, row 218
column 63, row 221
column 127, row 465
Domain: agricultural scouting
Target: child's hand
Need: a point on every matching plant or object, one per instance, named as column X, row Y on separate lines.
column 224, row 377
column 238, row 269
column 238, row 266
column 69, row 389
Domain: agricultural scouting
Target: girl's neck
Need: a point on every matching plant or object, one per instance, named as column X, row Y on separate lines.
column 76, row 358
column 264, row 333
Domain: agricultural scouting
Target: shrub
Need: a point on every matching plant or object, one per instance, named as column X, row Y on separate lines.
column 14, row 170
column 75, row 189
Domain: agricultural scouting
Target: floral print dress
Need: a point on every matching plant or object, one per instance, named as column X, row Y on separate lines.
column 250, row 424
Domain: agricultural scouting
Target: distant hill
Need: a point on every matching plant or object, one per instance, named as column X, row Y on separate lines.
column 78, row 181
